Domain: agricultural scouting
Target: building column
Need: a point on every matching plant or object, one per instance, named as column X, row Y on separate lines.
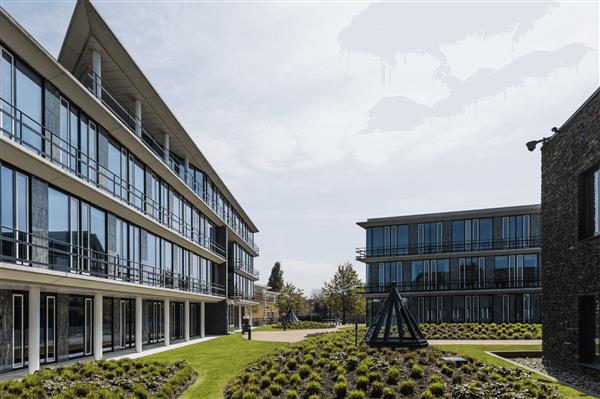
column 166, row 147
column 138, row 117
column 34, row 329
column 97, row 69
column 98, row 327
column 239, row 311
column 167, row 322
column 138, row 323
column 186, row 320
column 202, row 318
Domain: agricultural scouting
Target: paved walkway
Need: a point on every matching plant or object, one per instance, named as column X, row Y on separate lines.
column 485, row 341
column 288, row 335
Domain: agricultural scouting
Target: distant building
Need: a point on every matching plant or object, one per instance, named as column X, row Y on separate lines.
column 571, row 243
column 266, row 312
column 466, row 266
column 115, row 231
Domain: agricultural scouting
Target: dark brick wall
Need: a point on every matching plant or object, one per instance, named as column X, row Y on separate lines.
column 571, row 267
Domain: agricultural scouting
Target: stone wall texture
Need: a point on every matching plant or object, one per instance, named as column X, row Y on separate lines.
column 571, row 266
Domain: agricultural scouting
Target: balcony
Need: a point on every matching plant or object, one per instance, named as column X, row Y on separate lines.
column 113, row 102
column 447, row 248
column 48, row 144
column 246, row 269
column 26, row 249
column 452, row 286
column 241, row 296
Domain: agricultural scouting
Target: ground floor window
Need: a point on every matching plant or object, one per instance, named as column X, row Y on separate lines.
column 80, row 326
column 589, row 329
column 176, row 316
column 195, row 319
column 153, row 316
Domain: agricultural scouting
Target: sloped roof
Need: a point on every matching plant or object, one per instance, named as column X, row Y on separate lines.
column 87, row 30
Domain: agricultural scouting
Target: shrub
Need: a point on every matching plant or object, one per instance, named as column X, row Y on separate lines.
column 427, row 394
column 340, row 388
column 373, row 376
column 356, row 394
column 291, row 364
column 407, row 387
column 275, row 389
column 249, row 395
column 393, row 375
column 376, row 389
column 362, row 383
column 351, row 363
column 295, row 379
column 416, row 371
column 265, row 382
column 291, row 394
column 280, row 379
column 313, row 387
column 388, row 393
column 303, row 325
column 437, row 388
column 304, row 371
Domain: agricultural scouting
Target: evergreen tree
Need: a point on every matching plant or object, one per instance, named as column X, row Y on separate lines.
column 276, row 278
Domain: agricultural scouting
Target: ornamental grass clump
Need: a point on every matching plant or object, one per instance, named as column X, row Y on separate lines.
column 340, row 388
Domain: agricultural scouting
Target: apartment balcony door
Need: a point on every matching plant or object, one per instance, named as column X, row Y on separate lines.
column 468, row 308
column 421, row 310
column 505, row 308
column 439, row 309
column 50, row 329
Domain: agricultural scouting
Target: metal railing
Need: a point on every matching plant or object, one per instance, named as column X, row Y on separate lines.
column 22, row 129
column 37, row 251
column 108, row 97
column 452, row 285
column 247, row 268
column 240, row 295
column 473, row 246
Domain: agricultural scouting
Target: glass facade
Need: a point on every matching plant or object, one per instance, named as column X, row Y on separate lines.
column 82, row 238
column 84, row 148
column 461, row 235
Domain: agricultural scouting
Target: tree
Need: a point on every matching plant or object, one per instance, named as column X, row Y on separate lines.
column 342, row 292
column 291, row 297
column 318, row 304
column 276, row 278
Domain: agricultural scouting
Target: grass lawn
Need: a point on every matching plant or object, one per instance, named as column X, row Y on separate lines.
column 478, row 352
column 217, row 361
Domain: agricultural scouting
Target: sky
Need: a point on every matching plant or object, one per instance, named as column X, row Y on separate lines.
column 318, row 115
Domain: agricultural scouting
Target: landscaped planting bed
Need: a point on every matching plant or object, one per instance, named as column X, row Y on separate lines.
column 482, row 331
column 105, row 379
column 331, row 366
column 304, row 325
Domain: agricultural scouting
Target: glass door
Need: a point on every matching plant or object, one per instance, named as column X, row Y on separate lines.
column 440, row 309
column 87, row 336
column 18, row 331
column 421, row 310
column 475, row 313
column 50, row 328
column 505, row 308
column 468, row 306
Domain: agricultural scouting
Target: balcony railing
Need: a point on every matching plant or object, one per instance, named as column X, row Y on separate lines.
column 452, row 286
column 473, row 246
column 112, row 101
column 242, row 296
column 243, row 266
column 37, row 251
column 27, row 132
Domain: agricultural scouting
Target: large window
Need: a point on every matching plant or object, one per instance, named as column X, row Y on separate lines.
column 430, row 237
column 589, row 329
column 590, row 222
column 515, row 231
column 29, row 102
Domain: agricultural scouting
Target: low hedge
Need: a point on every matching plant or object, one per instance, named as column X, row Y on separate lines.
column 482, row 331
column 304, row 325
column 105, row 379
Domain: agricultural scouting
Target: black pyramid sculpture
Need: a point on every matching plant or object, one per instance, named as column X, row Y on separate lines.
column 394, row 325
column 291, row 317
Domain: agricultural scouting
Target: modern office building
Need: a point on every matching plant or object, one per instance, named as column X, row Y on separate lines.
column 116, row 232
column 466, row 266
column 571, row 243
column 267, row 311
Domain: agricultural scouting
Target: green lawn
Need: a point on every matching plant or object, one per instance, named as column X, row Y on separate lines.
column 478, row 352
column 217, row 361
